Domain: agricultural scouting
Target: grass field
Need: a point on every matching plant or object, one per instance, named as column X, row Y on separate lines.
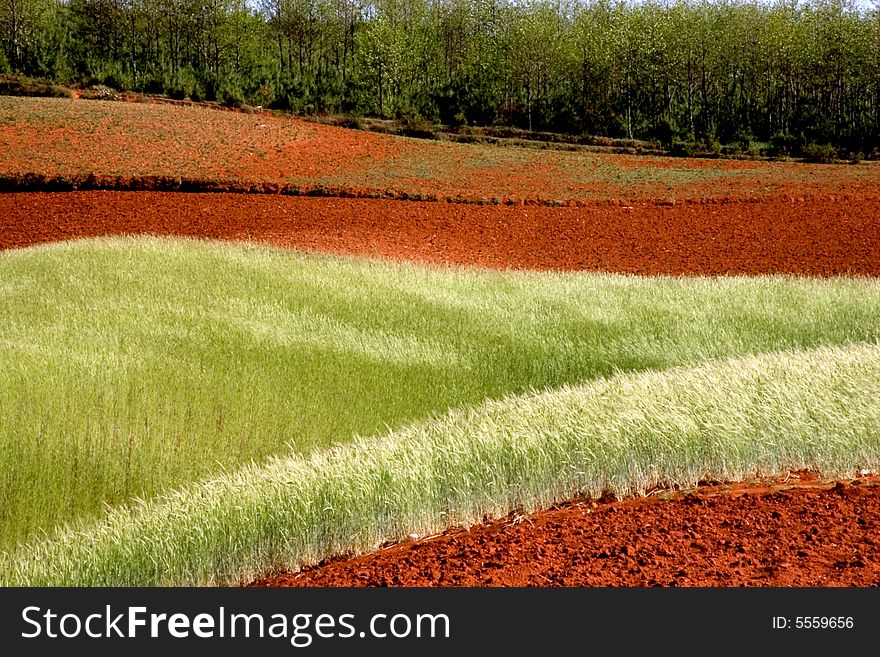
column 131, row 367
column 67, row 137
column 721, row 420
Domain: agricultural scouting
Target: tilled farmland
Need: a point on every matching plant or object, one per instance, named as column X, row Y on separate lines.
column 811, row 534
column 486, row 210
column 814, row 237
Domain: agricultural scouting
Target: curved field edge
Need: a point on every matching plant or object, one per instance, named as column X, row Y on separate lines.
column 133, row 366
column 723, row 420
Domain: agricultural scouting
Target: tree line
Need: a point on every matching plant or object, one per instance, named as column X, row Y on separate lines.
column 698, row 71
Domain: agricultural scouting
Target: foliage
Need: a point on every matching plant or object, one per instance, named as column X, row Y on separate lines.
column 5, row 69
column 689, row 72
column 817, row 153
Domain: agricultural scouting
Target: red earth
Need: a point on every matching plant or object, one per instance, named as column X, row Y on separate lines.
column 69, row 138
column 795, row 531
column 799, row 532
column 822, row 237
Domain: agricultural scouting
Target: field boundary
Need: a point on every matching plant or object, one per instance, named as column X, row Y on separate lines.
column 643, row 548
column 38, row 182
column 498, row 136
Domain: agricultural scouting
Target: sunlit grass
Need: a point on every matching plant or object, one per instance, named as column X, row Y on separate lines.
column 131, row 366
column 756, row 415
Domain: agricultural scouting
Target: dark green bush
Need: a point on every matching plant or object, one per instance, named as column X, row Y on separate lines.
column 684, row 149
column 784, row 145
column 232, row 97
column 353, row 122
column 413, row 124
column 816, row 153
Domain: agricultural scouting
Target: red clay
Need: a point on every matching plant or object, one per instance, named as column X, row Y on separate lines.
column 756, row 535
column 824, row 237
column 69, row 138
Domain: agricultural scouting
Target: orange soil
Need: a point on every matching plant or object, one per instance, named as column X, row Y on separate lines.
column 822, row 238
column 69, row 137
column 810, row 220
column 762, row 534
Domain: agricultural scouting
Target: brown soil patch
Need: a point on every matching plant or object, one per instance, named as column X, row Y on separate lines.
column 68, row 138
column 781, row 533
column 825, row 237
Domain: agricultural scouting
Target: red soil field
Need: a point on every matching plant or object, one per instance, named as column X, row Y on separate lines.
column 796, row 533
column 762, row 534
column 69, row 138
column 824, row 237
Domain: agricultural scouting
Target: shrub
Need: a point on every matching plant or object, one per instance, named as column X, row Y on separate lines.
column 57, row 91
column 414, row 125
column 177, row 92
column 423, row 131
column 232, row 97
column 281, row 102
column 197, row 94
column 353, row 122
column 684, row 149
column 265, row 95
column 22, row 86
column 783, row 145
column 713, row 147
column 152, row 86
column 756, row 149
column 665, row 132
column 113, row 81
column 184, row 85
column 817, row 153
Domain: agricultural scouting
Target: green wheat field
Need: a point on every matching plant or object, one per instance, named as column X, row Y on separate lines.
column 180, row 412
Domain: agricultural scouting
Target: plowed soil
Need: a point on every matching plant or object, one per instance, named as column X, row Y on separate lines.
column 70, row 138
column 794, row 533
column 822, row 237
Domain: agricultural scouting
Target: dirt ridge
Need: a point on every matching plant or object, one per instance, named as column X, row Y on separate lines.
column 40, row 182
